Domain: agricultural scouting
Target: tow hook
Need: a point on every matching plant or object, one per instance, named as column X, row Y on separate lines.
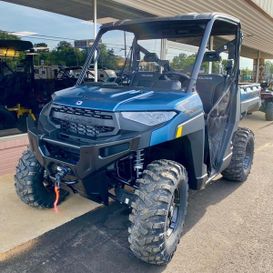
column 61, row 173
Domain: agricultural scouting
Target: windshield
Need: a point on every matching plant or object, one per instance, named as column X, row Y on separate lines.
column 153, row 55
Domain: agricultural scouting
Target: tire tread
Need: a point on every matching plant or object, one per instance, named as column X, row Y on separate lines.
column 28, row 183
column 150, row 209
column 235, row 170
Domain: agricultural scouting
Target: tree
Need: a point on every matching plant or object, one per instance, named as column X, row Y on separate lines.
column 108, row 59
column 6, row 36
column 63, row 45
column 183, row 62
column 64, row 54
column 40, row 45
column 246, row 74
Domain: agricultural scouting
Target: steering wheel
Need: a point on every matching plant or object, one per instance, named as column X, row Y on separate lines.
column 177, row 76
column 123, row 79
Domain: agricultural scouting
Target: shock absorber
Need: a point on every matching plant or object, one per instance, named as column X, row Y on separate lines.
column 139, row 161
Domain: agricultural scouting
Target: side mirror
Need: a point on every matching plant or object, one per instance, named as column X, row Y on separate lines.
column 212, row 56
column 229, row 65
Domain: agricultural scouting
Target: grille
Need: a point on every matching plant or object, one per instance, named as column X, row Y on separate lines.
column 83, row 122
column 82, row 129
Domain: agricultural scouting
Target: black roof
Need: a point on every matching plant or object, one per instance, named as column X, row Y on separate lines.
column 187, row 25
column 17, row 45
column 182, row 17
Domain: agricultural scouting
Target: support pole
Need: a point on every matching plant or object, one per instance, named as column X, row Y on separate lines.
column 163, row 51
column 258, row 67
column 125, row 45
column 210, row 48
column 95, row 34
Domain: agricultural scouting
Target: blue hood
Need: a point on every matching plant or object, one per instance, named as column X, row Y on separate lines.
column 119, row 99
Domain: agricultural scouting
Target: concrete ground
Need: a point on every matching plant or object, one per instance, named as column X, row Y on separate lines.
column 229, row 228
column 20, row 223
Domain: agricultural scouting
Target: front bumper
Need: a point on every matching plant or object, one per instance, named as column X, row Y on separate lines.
column 82, row 160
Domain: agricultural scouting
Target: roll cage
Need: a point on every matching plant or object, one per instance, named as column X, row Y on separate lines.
column 184, row 26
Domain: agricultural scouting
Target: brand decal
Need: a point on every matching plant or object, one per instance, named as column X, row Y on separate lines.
column 79, row 102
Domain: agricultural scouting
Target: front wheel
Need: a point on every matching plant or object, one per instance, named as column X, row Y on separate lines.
column 242, row 157
column 30, row 184
column 159, row 211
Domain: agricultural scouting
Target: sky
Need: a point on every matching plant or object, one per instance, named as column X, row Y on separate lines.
column 16, row 18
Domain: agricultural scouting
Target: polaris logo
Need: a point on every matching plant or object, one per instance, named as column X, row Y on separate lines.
column 79, row 102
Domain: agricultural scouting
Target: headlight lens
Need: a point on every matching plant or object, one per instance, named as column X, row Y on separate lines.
column 53, row 96
column 149, row 118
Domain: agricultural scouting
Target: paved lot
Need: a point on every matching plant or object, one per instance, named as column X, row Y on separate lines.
column 20, row 223
column 229, row 228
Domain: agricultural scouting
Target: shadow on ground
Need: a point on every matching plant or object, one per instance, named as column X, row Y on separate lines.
column 97, row 241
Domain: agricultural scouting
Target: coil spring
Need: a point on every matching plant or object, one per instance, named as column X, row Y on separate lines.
column 139, row 161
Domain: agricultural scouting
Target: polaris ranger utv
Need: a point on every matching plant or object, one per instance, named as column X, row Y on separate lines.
column 161, row 128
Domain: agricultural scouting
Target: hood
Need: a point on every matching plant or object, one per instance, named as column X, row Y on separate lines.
column 119, row 99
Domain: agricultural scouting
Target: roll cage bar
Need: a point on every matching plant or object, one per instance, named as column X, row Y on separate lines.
column 209, row 20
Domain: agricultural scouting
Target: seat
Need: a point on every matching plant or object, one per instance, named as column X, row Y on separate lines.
column 210, row 88
column 144, row 79
column 167, row 85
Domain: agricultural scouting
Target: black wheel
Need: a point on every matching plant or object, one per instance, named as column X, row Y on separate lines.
column 30, row 184
column 242, row 157
column 269, row 111
column 159, row 211
column 7, row 119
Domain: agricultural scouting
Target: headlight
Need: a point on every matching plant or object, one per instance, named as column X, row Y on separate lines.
column 53, row 96
column 149, row 118
column 46, row 109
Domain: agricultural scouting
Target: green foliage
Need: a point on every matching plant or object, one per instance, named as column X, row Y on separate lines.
column 246, row 74
column 63, row 54
column 107, row 58
column 183, row 62
column 66, row 54
column 40, row 45
column 6, row 36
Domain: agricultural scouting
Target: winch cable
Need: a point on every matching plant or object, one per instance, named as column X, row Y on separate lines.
column 61, row 173
column 57, row 197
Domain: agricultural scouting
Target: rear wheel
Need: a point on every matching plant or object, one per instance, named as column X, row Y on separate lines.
column 30, row 184
column 242, row 157
column 269, row 111
column 159, row 211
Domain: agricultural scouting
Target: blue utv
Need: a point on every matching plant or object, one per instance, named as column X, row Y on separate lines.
column 164, row 125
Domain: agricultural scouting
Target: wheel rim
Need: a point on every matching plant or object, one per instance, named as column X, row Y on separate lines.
column 173, row 213
column 248, row 157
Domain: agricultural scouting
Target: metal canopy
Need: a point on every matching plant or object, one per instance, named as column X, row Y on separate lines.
column 83, row 9
column 257, row 25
